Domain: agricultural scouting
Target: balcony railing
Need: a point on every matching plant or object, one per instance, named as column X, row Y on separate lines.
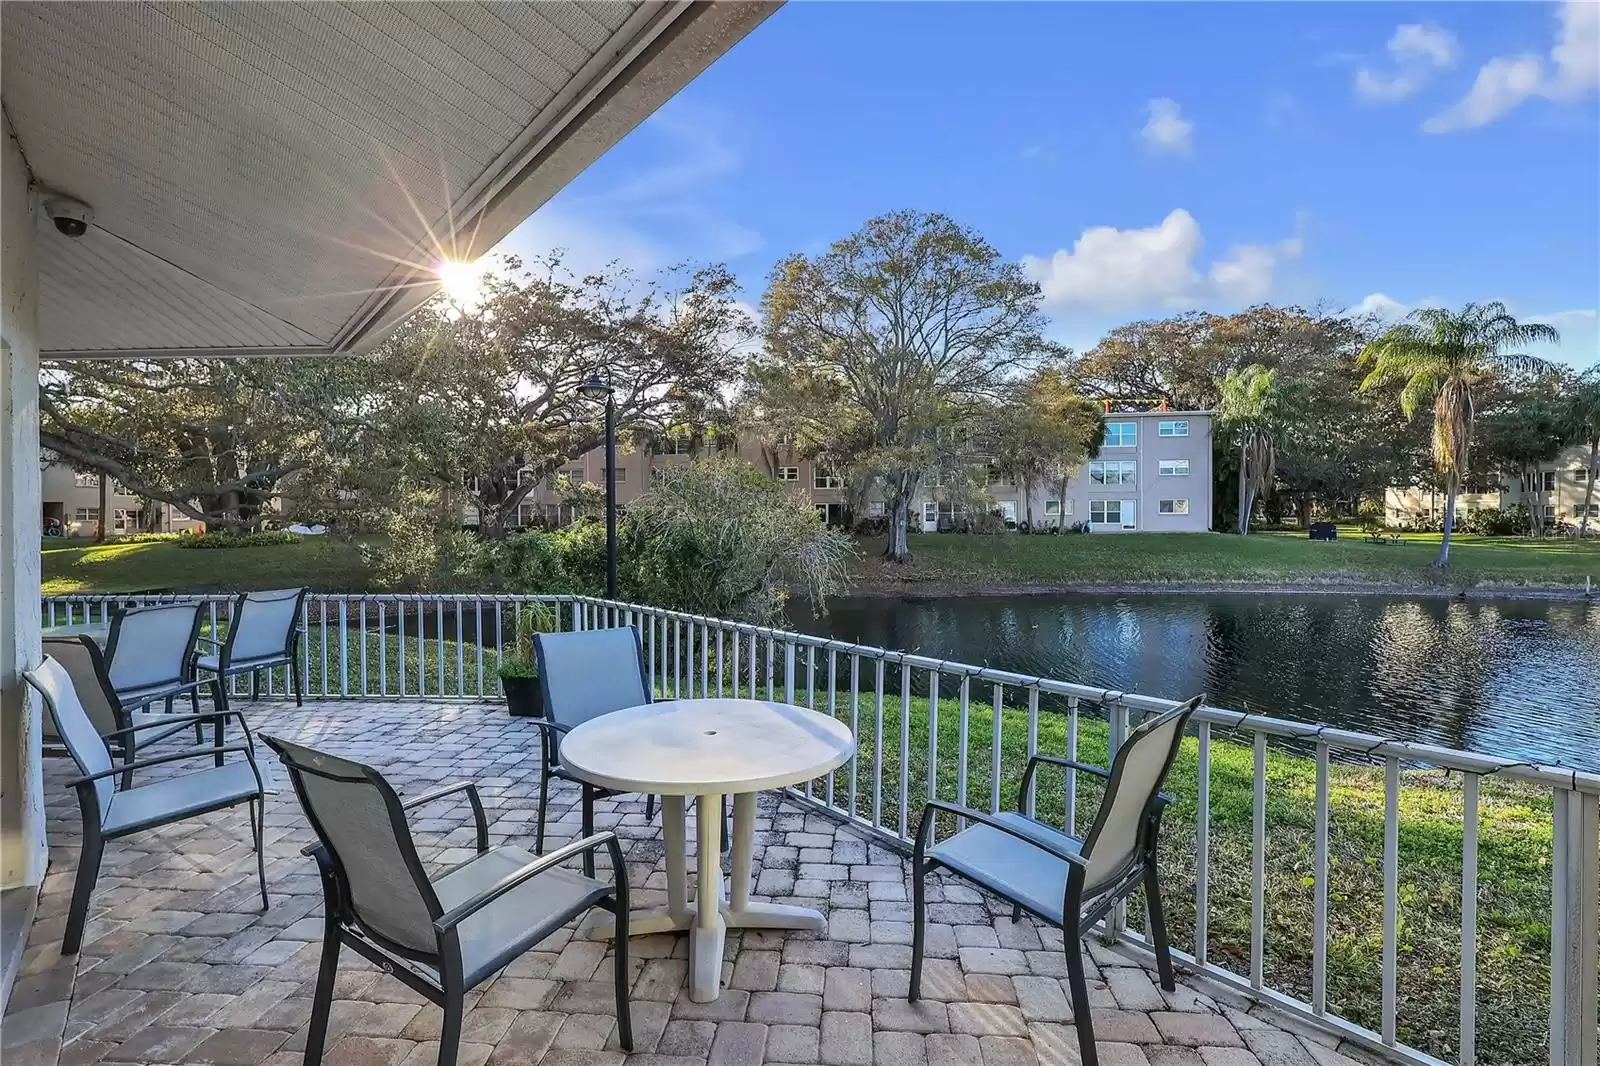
column 931, row 728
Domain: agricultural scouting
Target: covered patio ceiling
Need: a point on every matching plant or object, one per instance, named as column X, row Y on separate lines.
column 284, row 178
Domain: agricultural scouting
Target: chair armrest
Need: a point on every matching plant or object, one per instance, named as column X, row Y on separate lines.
column 1053, row 760
column 462, row 911
column 187, row 753
column 178, row 719
column 984, row 818
column 472, row 797
column 209, row 640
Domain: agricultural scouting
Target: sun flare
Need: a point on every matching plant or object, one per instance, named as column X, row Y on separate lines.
column 462, row 281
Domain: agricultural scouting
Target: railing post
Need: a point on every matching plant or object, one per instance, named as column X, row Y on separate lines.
column 1574, row 928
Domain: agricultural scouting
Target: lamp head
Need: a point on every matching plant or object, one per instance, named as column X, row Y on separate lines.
column 595, row 388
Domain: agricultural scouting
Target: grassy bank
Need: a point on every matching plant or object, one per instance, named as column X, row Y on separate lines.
column 954, row 562
column 323, row 563
column 1514, row 866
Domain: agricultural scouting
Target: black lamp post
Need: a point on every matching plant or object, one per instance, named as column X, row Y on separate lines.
column 598, row 389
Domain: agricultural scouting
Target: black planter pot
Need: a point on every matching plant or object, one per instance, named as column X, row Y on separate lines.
column 524, row 697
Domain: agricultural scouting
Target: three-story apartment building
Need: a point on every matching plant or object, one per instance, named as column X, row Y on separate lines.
column 72, row 506
column 1553, row 491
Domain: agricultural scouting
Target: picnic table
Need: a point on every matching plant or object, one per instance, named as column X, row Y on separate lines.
column 1378, row 536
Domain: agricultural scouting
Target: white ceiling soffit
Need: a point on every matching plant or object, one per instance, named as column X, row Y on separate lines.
column 282, row 178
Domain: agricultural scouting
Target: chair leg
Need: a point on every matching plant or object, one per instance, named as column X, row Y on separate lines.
column 1080, row 993
column 218, row 703
column 322, row 999
column 619, row 949
column 255, row 684
column 128, row 756
column 1016, row 913
column 588, row 828
column 1158, row 925
column 450, row 1031
column 294, row 670
column 258, row 830
column 650, row 807
column 544, row 801
column 918, row 919
column 82, row 888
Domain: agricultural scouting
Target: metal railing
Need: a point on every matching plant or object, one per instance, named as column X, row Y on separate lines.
column 900, row 708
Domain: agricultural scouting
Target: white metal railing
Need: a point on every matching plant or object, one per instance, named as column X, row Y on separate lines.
column 447, row 646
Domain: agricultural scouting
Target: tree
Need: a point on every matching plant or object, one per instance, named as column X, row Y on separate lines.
column 482, row 403
column 895, row 333
column 1580, row 421
column 1041, row 433
column 1253, row 413
column 1516, row 433
column 1439, row 355
column 217, row 439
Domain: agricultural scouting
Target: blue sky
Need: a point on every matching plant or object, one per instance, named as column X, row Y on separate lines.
column 1141, row 159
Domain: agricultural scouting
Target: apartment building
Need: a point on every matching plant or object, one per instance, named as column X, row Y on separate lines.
column 1154, row 474
column 72, row 506
column 1554, row 491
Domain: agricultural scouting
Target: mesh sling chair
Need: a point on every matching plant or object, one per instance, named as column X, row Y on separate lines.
column 584, row 675
column 263, row 632
column 1068, row 881
column 439, row 936
column 148, row 652
column 110, row 812
column 86, row 668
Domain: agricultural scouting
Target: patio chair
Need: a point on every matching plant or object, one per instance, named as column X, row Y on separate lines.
column 1068, row 881
column 263, row 632
column 147, row 655
column 110, row 812
column 86, row 667
column 584, row 675
column 441, row 935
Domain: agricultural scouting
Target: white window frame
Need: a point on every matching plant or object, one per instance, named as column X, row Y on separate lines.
column 1172, row 468
column 1126, row 470
column 84, row 515
column 789, row 473
column 822, row 480
column 930, row 512
column 1178, row 427
column 1580, row 474
column 1104, row 507
column 1128, row 429
column 86, row 480
column 875, row 509
column 1172, row 507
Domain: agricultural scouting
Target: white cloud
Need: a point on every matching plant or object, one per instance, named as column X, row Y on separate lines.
column 1111, row 269
column 1505, row 82
column 1418, row 51
column 1167, row 130
column 1377, row 303
column 1578, row 318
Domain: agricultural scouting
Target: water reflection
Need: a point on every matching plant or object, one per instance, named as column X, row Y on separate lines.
column 1513, row 678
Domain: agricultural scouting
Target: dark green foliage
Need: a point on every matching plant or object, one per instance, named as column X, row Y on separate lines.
column 263, row 539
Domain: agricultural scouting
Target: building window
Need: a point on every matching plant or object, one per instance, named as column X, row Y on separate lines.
column 1581, row 474
column 1593, row 510
column 1122, row 434
column 1114, row 472
column 822, row 480
column 88, row 480
column 1053, row 507
column 875, row 509
column 788, row 473
column 675, row 445
column 1179, row 428
column 1105, row 512
column 86, row 514
column 621, row 473
column 1547, row 481
column 930, row 513
column 991, row 474
column 1173, row 468
column 1174, row 506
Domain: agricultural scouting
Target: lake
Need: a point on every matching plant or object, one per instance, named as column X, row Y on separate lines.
column 1515, row 678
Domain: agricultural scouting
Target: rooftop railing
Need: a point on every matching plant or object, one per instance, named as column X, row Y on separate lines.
column 1433, row 905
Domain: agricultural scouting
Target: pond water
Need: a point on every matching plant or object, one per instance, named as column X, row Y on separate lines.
column 1519, row 679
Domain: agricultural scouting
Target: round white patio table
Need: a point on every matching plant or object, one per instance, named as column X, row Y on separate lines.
column 708, row 748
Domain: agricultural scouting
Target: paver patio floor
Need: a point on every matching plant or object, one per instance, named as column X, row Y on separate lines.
column 179, row 965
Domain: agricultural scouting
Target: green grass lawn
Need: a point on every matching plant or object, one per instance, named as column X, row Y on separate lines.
column 323, row 563
column 963, row 560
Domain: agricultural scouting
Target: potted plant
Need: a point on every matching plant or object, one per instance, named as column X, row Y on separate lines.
column 519, row 668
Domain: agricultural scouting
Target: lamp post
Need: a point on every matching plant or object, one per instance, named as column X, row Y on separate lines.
column 599, row 389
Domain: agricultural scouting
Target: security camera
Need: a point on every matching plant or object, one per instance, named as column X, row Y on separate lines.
column 72, row 217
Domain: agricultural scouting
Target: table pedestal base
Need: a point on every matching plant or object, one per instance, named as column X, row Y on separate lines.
column 711, row 915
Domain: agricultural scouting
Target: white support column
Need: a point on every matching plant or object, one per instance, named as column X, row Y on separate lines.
column 22, row 846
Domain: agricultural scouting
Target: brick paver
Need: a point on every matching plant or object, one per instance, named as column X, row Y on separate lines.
column 179, row 965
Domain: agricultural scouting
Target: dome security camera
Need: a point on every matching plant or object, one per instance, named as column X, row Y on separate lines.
column 72, row 217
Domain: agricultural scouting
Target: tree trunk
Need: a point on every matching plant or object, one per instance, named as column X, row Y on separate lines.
column 1588, row 487
column 105, row 512
column 898, row 550
column 1061, row 505
column 1027, row 502
column 1245, row 503
column 1452, row 487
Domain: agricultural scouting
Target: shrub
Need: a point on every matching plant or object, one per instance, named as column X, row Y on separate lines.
column 146, row 538
column 872, row 527
column 1510, row 522
column 263, row 539
column 521, row 660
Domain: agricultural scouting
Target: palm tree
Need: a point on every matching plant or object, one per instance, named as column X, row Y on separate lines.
column 1251, row 410
column 1439, row 355
column 1580, row 422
